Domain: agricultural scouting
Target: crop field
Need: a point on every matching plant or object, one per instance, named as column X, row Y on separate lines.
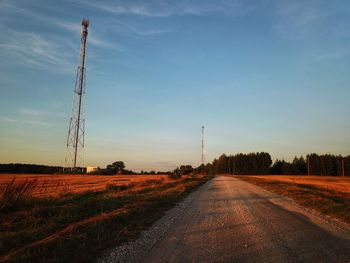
column 56, row 185
column 329, row 195
column 71, row 218
column 335, row 183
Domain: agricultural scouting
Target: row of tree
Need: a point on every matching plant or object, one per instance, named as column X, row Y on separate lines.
column 28, row 168
column 239, row 164
column 328, row 164
column 20, row 168
column 260, row 163
column 251, row 163
column 297, row 167
column 114, row 168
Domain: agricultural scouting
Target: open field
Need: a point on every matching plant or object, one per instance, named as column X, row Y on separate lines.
column 59, row 224
column 51, row 185
column 329, row 195
column 339, row 183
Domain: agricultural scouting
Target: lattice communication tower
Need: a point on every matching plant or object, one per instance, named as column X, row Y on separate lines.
column 74, row 160
column 202, row 153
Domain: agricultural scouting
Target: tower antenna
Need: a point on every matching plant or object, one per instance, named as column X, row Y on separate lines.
column 75, row 139
column 202, row 156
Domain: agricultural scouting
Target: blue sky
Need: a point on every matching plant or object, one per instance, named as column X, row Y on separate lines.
column 269, row 75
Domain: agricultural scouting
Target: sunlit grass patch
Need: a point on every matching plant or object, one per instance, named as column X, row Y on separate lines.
column 328, row 195
column 75, row 227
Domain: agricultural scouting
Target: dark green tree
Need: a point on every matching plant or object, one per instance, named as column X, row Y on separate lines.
column 116, row 167
column 186, row 169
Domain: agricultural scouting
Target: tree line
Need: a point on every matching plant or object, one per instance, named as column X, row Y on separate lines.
column 239, row 164
column 114, row 168
column 328, row 164
column 29, row 168
column 260, row 163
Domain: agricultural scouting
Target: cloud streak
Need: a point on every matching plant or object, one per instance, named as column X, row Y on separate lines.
column 94, row 38
column 311, row 18
column 130, row 29
column 34, row 51
column 7, row 119
column 26, row 121
column 38, row 113
column 72, row 27
column 33, row 116
column 168, row 8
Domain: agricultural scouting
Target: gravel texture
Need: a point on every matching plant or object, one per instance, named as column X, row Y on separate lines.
column 135, row 251
column 228, row 220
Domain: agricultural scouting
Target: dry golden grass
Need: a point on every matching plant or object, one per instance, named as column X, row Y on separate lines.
column 56, row 185
column 56, row 224
column 329, row 195
column 334, row 183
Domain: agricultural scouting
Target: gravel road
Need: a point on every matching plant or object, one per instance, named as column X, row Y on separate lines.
column 228, row 220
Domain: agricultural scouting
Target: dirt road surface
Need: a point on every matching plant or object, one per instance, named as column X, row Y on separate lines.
column 228, row 220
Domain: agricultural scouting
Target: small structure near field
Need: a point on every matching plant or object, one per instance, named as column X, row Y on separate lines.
column 91, row 169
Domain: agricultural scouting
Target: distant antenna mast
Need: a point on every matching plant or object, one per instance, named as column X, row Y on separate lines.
column 75, row 138
column 202, row 156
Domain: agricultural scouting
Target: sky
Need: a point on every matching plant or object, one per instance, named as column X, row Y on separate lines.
column 263, row 75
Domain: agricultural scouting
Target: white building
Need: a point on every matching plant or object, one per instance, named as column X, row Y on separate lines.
column 91, row 169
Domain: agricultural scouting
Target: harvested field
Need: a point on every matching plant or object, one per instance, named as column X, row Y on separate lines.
column 55, row 185
column 335, row 183
column 41, row 221
column 329, row 195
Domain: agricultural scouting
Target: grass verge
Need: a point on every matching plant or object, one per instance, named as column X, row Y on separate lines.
column 313, row 194
column 77, row 227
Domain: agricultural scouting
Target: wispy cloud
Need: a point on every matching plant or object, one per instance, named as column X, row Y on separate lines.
column 168, row 8
column 45, row 117
column 33, row 50
column 32, row 112
column 94, row 38
column 99, row 42
column 7, row 119
column 72, row 27
column 39, row 113
column 326, row 57
column 25, row 121
column 69, row 26
column 139, row 9
column 308, row 18
column 44, row 51
column 127, row 28
column 38, row 122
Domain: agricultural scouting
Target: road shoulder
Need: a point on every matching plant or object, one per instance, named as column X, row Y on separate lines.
column 136, row 250
column 328, row 223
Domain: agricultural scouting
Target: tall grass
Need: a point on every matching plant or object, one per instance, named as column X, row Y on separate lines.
column 14, row 194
